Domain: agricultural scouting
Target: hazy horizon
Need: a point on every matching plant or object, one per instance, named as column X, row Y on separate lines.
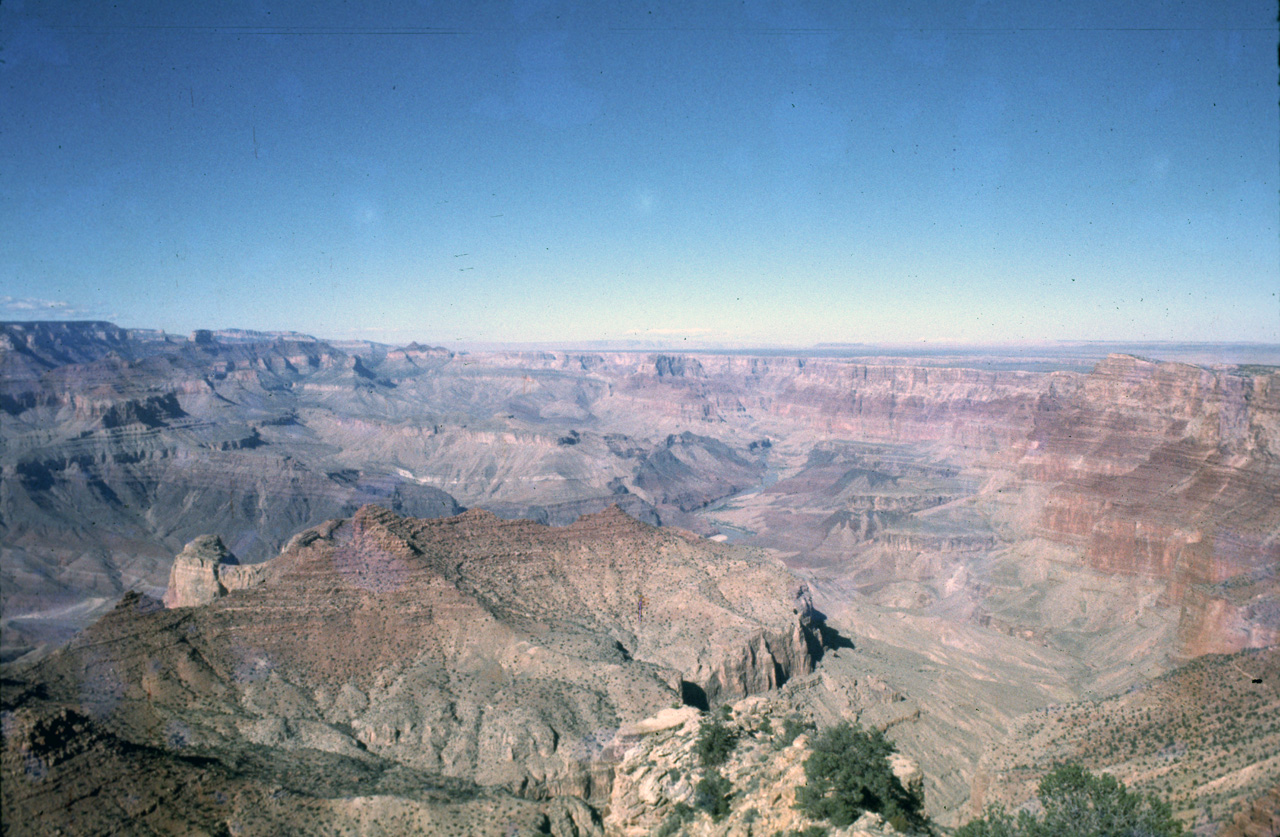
column 1026, row 354
column 739, row 175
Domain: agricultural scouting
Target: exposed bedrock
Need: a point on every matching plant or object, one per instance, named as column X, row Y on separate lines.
column 1214, row 621
column 690, row 471
column 900, row 403
column 1262, row 818
column 120, row 446
column 205, row 571
column 1167, row 471
column 765, row 661
column 504, row 652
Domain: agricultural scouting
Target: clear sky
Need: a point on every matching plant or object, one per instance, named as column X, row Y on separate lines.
column 743, row 173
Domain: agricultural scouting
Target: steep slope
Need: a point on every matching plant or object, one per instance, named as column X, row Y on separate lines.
column 470, row 652
column 660, row 768
column 1172, row 472
column 1205, row 736
column 916, row 478
column 1157, row 477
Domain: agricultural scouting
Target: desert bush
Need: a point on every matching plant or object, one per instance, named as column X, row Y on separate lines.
column 995, row 823
column 791, row 729
column 712, row 794
column 680, row 814
column 1075, row 801
column 716, row 741
column 848, row 772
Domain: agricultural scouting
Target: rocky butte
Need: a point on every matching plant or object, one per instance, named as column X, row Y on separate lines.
column 494, row 661
column 410, row 568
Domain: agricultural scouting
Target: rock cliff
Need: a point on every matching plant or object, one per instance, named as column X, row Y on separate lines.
column 1160, row 470
column 1117, row 517
column 500, row 655
column 659, row 769
column 205, row 571
column 1169, row 471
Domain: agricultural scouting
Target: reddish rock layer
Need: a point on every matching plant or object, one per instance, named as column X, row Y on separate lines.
column 1167, row 472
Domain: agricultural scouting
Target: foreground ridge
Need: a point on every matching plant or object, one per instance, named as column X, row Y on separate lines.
column 487, row 660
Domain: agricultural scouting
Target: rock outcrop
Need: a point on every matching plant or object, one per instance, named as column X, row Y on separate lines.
column 1125, row 517
column 659, row 770
column 1203, row 737
column 1167, row 471
column 468, row 651
column 205, row 570
column 1162, row 470
column 1260, row 819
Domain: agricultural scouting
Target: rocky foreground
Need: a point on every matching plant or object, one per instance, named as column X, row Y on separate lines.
column 385, row 674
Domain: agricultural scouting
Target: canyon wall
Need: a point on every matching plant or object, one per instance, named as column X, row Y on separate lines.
column 500, row 653
column 1169, row 471
column 122, row 445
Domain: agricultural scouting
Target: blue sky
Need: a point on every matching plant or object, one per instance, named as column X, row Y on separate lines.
column 749, row 173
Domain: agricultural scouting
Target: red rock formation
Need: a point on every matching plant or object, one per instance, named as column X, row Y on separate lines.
column 1167, row 473
column 470, row 647
column 1162, row 470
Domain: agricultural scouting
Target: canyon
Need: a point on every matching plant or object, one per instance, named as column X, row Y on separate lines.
column 471, row 573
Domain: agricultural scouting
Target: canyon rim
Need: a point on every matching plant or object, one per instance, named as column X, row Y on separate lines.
column 423, row 590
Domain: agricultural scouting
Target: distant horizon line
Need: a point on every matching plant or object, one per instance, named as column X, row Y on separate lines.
column 1211, row 351
column 644, row 344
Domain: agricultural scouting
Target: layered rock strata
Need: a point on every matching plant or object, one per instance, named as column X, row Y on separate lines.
column 1169, row 471
column 205, row 570
column 120, row 446
column 660, row 768
column 499, row 655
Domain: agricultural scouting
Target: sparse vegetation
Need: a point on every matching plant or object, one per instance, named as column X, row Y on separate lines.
column 1079, row 803
column 811, row 831
column 1173, row 737
column 716, row 741
column 680, row 814
column 792, row 728
column 712, row 794
column 848, row 773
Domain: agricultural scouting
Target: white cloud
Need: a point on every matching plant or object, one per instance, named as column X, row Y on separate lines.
column 40, row 308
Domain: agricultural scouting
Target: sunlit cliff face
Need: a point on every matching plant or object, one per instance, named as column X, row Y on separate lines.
column 984, row 542
column 1162, row 472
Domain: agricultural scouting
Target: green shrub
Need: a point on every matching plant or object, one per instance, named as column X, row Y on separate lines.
column 1077, row 802
column 712, row 794
column 791, row 729
column 680, row 814
column 995, row 823
column 715, row 742
column 848, row 772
